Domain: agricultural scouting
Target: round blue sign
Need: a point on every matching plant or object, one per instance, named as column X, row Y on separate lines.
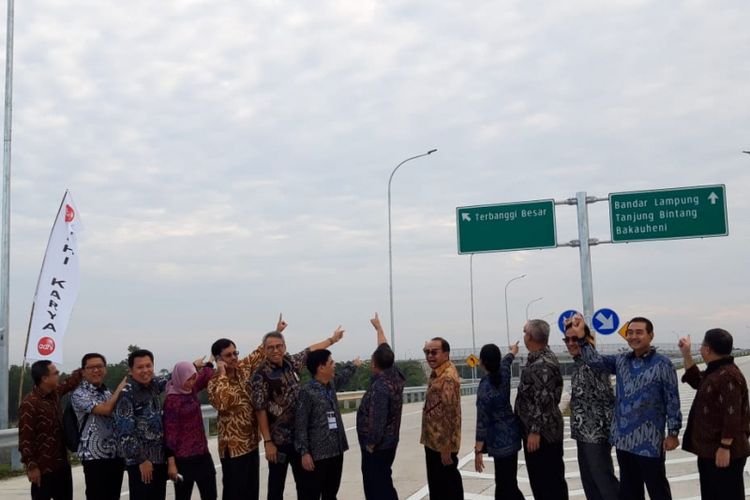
column 605, row 321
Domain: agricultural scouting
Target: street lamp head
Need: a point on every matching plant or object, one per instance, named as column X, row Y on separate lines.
column 431, row 151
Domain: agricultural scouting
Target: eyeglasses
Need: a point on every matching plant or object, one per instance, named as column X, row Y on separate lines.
column 95, row 367
column 275, row 347
column 233, row 354
column 570, row 340
column 432, row 352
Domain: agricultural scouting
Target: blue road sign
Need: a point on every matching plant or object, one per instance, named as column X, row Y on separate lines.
column 561, row 320
column 606, row 321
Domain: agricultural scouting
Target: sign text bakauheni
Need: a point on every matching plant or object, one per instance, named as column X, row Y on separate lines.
column 674, row 213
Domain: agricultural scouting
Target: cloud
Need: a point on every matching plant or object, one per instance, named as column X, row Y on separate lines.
column 231, row 160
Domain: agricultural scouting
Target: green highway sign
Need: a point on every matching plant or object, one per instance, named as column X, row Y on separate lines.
column 665, row 214
column 507, row 226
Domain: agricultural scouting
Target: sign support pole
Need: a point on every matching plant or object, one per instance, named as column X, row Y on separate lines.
column 587, row 283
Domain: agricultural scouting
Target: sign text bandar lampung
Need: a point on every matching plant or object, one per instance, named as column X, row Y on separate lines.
column 675, row 213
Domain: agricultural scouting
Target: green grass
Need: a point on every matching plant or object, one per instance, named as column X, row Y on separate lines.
column 7, row 473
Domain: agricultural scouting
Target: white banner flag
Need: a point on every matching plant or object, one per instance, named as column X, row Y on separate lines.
column 57, row 289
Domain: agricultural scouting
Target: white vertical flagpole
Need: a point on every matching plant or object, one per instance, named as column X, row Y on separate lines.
column 5, row 216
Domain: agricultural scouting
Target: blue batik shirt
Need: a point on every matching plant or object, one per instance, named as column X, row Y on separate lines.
column 497, row 425
column 138, row 422
column 379, row 413
column 98, row 435
column 647, row 399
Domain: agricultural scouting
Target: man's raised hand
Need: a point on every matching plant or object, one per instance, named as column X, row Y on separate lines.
column 379, row 329
column 513, row 349
column 281, row 324
column 685, row 346
column 337, row 334
column 376, row 322
column 576, row 323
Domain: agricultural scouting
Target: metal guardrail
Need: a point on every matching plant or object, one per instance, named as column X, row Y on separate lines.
column 349, row 400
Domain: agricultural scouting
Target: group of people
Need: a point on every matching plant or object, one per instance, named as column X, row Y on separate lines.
column 641, row 418
column 259, row 397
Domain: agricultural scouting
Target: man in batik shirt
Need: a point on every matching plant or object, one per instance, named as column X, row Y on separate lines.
column 229, row 393
column 379, row 420
column 40, row 433
column 647, row 402
column 441, row 423
column 139, row 428
column 274, row 388
column 537, row 407
column 94, row 404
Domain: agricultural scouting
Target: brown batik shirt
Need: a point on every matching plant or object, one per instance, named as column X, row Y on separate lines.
column 720, row 410
column 230, row 395
column 40, row 432
column 441, row 415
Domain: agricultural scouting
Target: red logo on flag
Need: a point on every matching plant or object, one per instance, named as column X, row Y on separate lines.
column 46, row 346
column 70, row 214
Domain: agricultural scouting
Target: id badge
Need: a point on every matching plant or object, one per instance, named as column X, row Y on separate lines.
column 332, row 420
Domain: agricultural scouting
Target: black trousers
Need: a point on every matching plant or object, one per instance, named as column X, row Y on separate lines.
column 377, row 474
column 443, row 481
column 103, row 478
column 277, row 473
column 506, row 482
column 57, row 485
column 547, row 471
column 597, row 471
column 155, row 490
column 324, row 481
column 635, row 471
column 240, row 477
column 721, row 484
column 199, row 471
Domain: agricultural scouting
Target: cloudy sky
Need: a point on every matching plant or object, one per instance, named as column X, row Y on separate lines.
column 230, row 161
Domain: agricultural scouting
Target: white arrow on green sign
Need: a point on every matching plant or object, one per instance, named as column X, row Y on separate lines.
column 506, row 226
column 663, row 214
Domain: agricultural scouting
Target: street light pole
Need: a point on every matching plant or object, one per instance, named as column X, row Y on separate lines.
column 390, row 246
column 531, row 302
column 507, row 320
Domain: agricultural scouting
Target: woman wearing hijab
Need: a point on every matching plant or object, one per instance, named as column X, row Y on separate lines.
column 189, row 461
column 498, row 433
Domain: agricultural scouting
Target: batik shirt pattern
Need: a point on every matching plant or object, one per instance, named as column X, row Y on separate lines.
column 230, row 395
column 379, row 413
column 441, row 415
column 274, row 389
column 313, row 433
column 647, row 399
column 98, row 440
column 138, row 422
column 538, row 397
column 592, row 402
column 40, row 432
column 497, row 425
